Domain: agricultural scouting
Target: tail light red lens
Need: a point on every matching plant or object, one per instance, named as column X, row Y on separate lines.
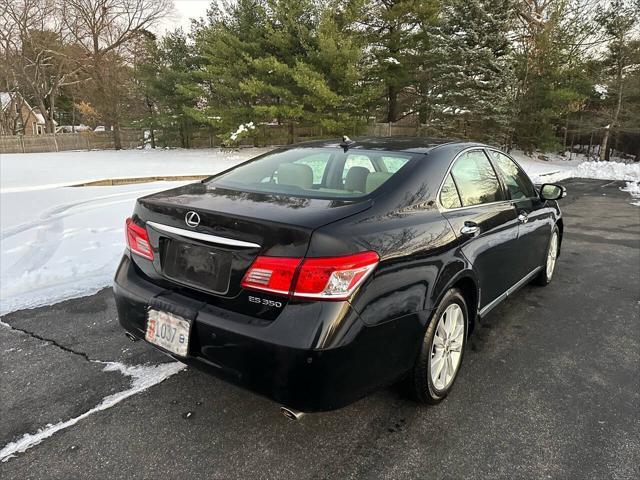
column 335, row 277
column 326, row 278
column 271, row 274
column 138, row 240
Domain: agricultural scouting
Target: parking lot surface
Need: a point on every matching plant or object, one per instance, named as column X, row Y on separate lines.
column 550, row 388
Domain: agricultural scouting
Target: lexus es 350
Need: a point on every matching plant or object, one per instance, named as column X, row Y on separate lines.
column 319, row 272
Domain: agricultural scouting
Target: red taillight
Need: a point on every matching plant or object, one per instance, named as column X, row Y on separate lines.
column 271, row 274
column 138, row 240
column 326, row 278
column 334, row 277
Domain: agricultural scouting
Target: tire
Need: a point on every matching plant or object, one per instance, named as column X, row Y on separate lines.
column 548, row 268
column 425, row 387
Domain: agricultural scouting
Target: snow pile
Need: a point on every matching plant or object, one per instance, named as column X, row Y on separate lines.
column 143, row 377
column 558, row 168
column 606, row 171
column 633, row 188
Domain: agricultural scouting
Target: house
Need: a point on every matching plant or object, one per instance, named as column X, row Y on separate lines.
column 17, row 117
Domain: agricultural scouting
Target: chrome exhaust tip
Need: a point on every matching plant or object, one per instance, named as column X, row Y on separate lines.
column 131, row 337
column 291, row 414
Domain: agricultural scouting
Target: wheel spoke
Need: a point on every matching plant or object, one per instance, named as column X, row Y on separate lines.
column 447, row 323
column 457, row 333
column 458, row 315
column 436, row 367
column 450, row 369
column 455, row 358
column 443, row 371
column 441, row 331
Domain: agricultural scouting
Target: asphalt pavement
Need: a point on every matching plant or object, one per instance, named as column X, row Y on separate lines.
column 550, row 388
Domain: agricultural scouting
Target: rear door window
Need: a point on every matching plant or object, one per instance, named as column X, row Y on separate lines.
column 476, row 180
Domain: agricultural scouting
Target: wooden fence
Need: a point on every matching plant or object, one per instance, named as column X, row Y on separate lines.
column 394, row 130
column 68, row 141
column 263, row 135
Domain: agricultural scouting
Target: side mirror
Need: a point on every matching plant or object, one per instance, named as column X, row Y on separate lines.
column 551, row 191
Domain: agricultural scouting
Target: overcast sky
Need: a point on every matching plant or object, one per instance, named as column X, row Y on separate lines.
column 184, row 11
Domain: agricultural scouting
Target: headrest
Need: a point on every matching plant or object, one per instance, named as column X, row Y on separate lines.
column 295, row 174
column 356, row 179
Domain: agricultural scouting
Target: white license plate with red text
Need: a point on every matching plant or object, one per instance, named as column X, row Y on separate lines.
column 168, row 331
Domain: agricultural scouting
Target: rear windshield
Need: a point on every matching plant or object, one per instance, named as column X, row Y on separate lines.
column 315, row 172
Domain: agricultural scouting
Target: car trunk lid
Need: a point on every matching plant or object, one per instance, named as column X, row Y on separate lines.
column 213, row 254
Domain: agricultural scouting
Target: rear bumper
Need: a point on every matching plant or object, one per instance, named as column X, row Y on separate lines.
column 288, row 368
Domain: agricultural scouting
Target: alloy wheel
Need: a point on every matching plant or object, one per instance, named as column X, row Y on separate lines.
column 552, row 255
column 446, row 350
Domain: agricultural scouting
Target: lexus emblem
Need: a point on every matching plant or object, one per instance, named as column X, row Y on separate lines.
column 192, row 219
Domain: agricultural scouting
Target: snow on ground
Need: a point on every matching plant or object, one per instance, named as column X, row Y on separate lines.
column 557, row 168
column 63, row 243
column 38, row 171
column 58, row 242
column 633, row 188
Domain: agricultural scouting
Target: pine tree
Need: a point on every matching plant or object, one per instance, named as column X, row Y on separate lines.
column 467, row 77
column 286, row 61
column 393, row 32
column 169, row 92
column 226, row 47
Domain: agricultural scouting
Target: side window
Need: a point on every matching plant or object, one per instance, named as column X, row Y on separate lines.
column 476, row 181
column 516, row 180
column 449, row 197
column 393, row 164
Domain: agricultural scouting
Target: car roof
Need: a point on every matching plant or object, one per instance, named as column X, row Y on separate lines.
column 397, row 144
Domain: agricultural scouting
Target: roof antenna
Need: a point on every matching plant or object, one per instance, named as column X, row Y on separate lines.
column 346, row 143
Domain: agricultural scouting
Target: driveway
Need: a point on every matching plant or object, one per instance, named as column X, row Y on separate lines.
column 549, row 389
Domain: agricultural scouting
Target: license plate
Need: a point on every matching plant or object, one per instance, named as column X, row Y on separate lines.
column 168, row 331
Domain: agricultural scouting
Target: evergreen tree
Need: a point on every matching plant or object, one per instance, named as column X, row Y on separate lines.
column 166, row 75
column 226, row 48
column 280, row 60
column 393, row 30
column 467, row 79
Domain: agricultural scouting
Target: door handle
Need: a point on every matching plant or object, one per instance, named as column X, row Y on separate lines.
column 470, row 228
column 523, row 217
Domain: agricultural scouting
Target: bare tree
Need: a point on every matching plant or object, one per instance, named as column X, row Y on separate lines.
column 37, row 56
column 103, row 29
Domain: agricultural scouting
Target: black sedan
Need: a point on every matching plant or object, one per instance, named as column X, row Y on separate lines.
column 318, row 272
